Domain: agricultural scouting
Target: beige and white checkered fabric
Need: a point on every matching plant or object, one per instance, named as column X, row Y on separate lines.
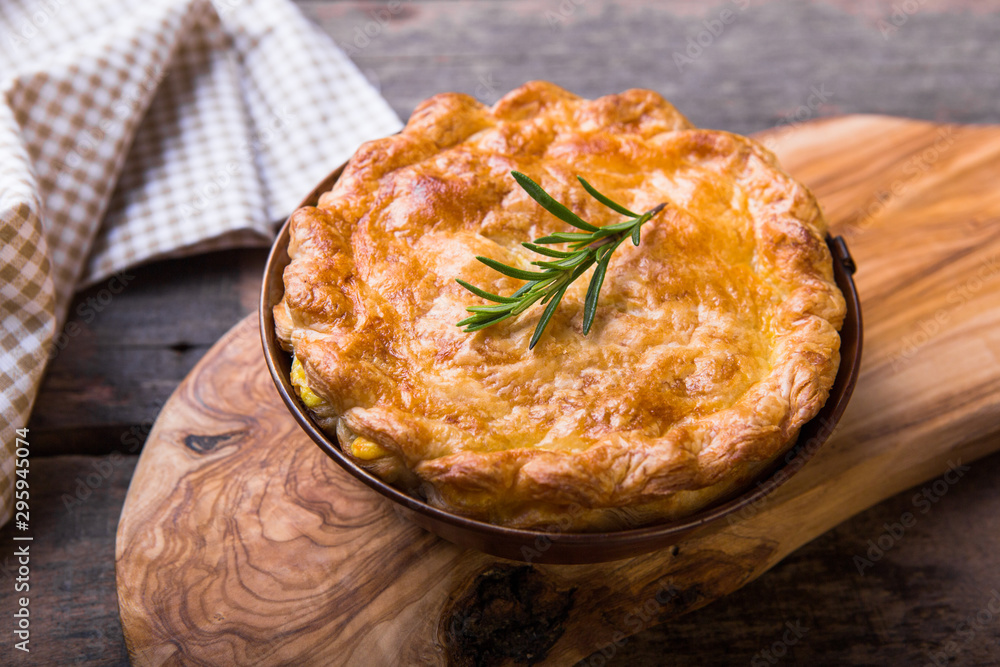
column 138, row 130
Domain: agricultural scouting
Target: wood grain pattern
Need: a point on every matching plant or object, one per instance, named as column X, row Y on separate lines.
column 244, row 544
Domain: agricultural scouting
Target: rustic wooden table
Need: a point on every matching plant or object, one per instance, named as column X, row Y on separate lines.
column 741, row 65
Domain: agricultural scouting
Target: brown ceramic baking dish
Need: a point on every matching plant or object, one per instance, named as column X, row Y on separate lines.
column 556, row 547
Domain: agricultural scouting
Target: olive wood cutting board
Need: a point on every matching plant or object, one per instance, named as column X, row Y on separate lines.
column 240, row 542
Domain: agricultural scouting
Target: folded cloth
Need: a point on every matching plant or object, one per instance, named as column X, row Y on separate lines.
column 139, row 130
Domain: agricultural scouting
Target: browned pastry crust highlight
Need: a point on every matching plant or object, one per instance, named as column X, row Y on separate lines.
column 715, row 340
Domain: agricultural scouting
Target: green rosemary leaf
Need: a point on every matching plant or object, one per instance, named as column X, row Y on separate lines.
column 546, row 316
column 611, row 230
column 568, row 263
column 524, row 289
column 477, row 319
column 593, row 245
column 536, row 192
column 593, row 292
column 514, row 272
column 529, row 298
column 565, row 237
column 484, row 294
column 613, row 205
column 548, row 252
column 502, row 308
column 487, row 323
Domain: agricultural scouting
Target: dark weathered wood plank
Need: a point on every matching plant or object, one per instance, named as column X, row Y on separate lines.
column 74, row 506
column 762, row 66
column 121, row 355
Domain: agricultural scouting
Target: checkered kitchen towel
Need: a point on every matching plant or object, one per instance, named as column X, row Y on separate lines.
column 138, row 130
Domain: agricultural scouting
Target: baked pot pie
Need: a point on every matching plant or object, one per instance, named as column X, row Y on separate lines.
column 714, row 340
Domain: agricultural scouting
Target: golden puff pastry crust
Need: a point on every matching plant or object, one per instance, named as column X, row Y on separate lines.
column 714, row 341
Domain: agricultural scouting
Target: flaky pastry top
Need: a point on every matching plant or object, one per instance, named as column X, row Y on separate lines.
column 714, row 340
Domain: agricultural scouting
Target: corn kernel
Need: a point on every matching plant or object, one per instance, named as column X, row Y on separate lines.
column 366, row 450
column 298, row 377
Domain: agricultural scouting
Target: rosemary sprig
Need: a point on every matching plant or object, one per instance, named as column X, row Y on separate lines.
column 591, row 245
